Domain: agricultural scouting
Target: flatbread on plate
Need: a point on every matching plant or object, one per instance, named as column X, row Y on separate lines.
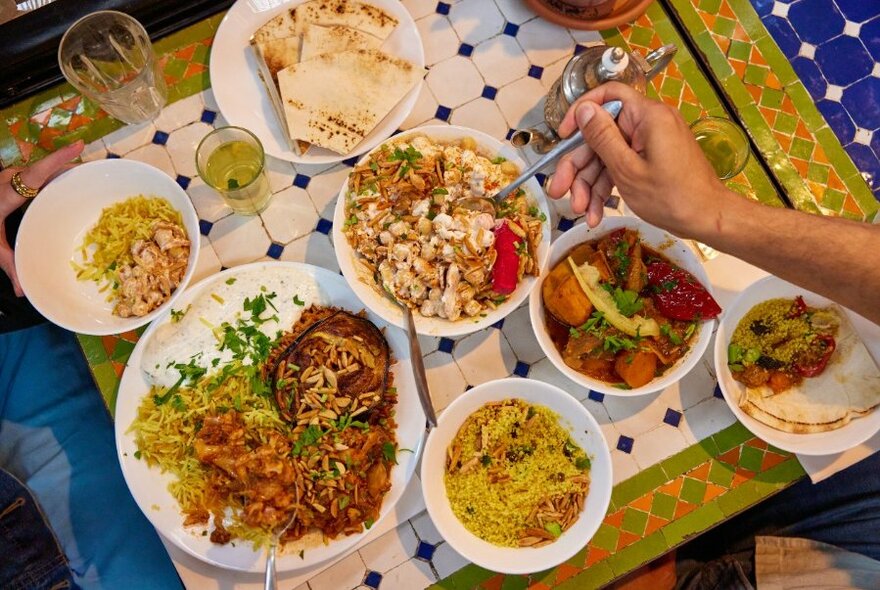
column 279, row 53
column 318, row 39
column 848, row 387
column 337, row 99
column 279, row 26
column 364, row 17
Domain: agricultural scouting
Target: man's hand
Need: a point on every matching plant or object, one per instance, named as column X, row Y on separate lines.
column 35, row 176
column 650, row 154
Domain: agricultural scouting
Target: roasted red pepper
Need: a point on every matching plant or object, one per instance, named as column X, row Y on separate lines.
column 798, row 308
column 506, row 268
column 678, row 294
column 816, row 366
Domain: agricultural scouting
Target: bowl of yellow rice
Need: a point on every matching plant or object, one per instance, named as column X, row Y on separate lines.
column 517, row 475
column 80, row 233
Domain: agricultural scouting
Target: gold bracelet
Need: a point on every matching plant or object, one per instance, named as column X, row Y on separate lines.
column 21, row 188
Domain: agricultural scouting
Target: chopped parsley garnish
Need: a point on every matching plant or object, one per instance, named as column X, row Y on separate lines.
column 582, row 463
column 232, row 183
column 351, row 220
column 486, row 460
column 615, row 344
column 410, row 155
column 666, row 330
column 553, row 528
column 368, row 523
column 690, row 329
column 137, row 455
column 389, row 452
column 374, row 166
column 230, row 281
column 499, row 159
column 621, row 253
column 439, row 191
column 628, row 302
column 311, row 435
column 298, row 301
column 177, row 314
column 343, row 502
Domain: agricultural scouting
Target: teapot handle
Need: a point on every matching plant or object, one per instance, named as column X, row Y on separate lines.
column 659, row 59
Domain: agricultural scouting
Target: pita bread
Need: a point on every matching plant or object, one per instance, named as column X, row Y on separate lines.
column 280, row 26
column 348, row 13
column 337, row 99
column 848, row 387
column 318, row 39
column 279, row 53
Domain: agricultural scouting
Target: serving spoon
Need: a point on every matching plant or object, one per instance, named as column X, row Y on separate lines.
column 490, row 205
column 271, row 578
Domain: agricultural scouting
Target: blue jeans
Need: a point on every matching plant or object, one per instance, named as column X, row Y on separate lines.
column 56, row 438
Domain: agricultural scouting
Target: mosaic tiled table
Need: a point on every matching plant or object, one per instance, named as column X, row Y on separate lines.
column 682, row 463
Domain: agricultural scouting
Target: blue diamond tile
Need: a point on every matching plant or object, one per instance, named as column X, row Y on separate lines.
column 579, row 49
column 596, row 396
column 275, row 251
column 499, row 324
column 443, row 113
column 875, row 145
column 510, row 133
column 625, row 444
column 521, row 369
column 672, row 417
column 446, row 345
column 443, row 8
column 864, row 159
column 717, row 392
column 112, row 156
column 862, row 100
column 324, row 226
column 816, row 21
column 511, row 29
column 425, row 551
column 784, row 35
column 857, row 10
column 350, row 162
column 838, row 119
column 613, row 202
column 489, row 92
column 373, row 579
column 565, row 224
column 465, row 49
column 870, row 35
column 183, row 181
column 763, row 7
column 301, row 180
column 205, row 227
column 809, row 73
column 160, row 137
column 541, row 178
column 536, row 72
column 208, row 117
column 844, row 60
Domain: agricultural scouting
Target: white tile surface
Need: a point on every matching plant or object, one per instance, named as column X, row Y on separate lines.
column 207, row 263
column 347, row 573
column 154, row 155
column 521, row 336
column 423, row 110
column 455, row 81
column 290, row 215
column 655, row 445
column 484, row 356
column 522, row 102
column 445, row 379
column 500, row 60
column 209, row 205
column 238, row 239
column 127, row 138
column 476, row 20
column 447, row 560
column 544, row 42
column 182, row 145
column 425, row 529
column 409, row 575
column 324, row 188
column 623, row 466
column 279, row 173
column 313, row 249
column 483, row 115
column 706, row 418
column 515, row 11
column 438, row 38
column 420, row 8
column 391, row 549
column 180, row 113
column 94, row 151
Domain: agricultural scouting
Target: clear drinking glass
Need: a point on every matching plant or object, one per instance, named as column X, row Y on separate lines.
column 108, row 57
column 232, row 162
column 724, row 144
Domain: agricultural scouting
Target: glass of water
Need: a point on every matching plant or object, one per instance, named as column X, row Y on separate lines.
column 108, row 57
column 232, row 162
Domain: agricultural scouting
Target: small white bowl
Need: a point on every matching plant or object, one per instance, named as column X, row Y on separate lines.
column 53, row 228
column 584, row 431
column 821, row 443
column 673, row 248
column 390, row 311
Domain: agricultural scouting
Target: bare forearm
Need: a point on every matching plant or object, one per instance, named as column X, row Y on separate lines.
column 834, row 257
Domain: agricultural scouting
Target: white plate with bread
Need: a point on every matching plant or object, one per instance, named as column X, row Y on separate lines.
column 344, row 74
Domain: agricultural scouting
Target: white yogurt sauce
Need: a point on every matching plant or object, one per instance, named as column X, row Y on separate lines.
column 222, row 301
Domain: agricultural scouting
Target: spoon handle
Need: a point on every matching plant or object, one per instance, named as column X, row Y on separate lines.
column 271, row 583
column 415, row 353
column 613, row 107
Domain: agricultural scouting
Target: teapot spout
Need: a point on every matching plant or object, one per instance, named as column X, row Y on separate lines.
column 540, row 141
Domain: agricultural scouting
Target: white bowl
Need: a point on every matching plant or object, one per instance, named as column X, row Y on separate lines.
column 821, row 443
column 390, row 311
column 673, row 248
column 584, row 431
column 53, row 228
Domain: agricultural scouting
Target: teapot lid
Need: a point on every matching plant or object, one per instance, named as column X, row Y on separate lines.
column 597, row 65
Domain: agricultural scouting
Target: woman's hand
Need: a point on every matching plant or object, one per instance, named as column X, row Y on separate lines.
column 650, row 154
column 34, row 176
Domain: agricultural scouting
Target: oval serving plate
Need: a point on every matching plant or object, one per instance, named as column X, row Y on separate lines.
column 150, row 487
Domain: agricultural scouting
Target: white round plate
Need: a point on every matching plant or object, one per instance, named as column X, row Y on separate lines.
column 150, row 487
column 584, row 431
column 390, row 311
column 670, row 246
column 53, row 229
column 242, row 97
column 821, row 443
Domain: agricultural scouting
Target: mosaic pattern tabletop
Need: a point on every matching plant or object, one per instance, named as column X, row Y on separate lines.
column 681, row 461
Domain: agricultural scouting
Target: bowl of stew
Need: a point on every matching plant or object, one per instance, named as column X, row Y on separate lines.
column 624, row 308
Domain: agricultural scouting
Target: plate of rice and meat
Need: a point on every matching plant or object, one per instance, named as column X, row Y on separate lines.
column 267, row 396
column 517, row 475
column 798, row 370
column 623, row 308
column 402, row 236
column 107, row 246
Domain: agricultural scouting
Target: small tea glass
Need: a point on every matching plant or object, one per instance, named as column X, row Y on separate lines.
column 108, row 57
column 724, row 144
column 231, row 160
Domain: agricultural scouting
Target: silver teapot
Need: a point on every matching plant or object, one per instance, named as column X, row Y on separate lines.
column 590, row 68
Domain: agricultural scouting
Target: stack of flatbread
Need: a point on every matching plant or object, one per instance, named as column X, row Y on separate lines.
column 329, row 81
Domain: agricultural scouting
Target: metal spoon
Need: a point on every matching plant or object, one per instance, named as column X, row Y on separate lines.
column 271, row 578
column 487, row 205
column 415, row 352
